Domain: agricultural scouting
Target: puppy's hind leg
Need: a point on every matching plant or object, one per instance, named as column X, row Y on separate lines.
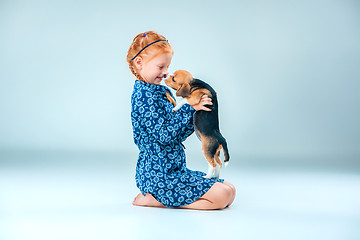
column 211, row 171
column 212, row 164
column 209, row 151
column 217, row 172
column 219, row 163
column 217, row 156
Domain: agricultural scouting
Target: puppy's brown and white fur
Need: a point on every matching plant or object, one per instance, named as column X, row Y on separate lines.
column 206, row 123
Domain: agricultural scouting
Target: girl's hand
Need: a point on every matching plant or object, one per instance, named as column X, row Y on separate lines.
column 205, row 100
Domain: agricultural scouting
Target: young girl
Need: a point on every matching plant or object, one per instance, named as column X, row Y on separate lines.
column 161, row 172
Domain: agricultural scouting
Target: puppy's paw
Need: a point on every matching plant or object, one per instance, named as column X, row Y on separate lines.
column 217, row 172
column 175, row 109
column 210, row 172
column 179, row 105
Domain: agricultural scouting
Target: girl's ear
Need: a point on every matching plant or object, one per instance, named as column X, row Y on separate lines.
column 184, row 90
column 138, row 61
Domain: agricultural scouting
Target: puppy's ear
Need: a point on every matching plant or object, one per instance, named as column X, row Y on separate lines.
column 184, row 90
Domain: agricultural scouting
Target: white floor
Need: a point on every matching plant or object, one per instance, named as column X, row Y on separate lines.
column 89, row 197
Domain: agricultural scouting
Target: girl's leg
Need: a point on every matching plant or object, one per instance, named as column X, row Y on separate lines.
column 233, row 191
column 219, row 196
column 146, row 201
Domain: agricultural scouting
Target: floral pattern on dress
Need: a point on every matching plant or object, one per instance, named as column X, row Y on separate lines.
column 158, row 132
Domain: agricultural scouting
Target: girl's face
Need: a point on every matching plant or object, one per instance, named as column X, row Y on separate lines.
column 153, row 71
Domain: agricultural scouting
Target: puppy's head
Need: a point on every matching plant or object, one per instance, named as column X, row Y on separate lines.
column 180, row 81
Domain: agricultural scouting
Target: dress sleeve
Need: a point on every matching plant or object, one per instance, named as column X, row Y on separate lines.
column 190, row 126
column 162, row 126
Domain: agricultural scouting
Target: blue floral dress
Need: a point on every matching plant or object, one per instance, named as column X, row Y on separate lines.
column 158, row 132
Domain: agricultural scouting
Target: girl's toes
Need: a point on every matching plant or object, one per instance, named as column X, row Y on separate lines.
column 139, row 200
column 136, row 200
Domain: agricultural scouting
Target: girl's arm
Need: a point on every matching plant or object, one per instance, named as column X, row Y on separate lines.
column 183, row 119
column 151, row 114
column 176, row 129
column 189, row 129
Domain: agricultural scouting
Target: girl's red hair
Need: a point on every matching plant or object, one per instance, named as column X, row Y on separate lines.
column 140, row 41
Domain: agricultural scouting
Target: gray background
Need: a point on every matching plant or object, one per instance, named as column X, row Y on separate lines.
column 287, row 73
column 287, row 76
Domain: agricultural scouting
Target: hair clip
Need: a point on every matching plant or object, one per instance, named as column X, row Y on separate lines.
column 144, row 34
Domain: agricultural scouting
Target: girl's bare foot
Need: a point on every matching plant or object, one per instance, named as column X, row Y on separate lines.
column 146, row 201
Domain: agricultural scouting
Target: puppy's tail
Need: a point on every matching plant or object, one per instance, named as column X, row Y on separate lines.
column 226, row 153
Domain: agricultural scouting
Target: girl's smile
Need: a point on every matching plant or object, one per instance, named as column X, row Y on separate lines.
column 154, row 70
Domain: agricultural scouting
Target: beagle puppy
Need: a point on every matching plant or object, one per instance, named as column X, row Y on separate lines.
column 206, row 123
